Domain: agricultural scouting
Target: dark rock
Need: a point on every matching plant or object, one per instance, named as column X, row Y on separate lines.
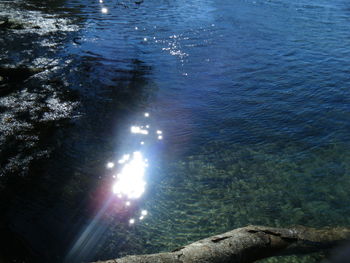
column 18, row 74
column 11, row 77
column 7, row 23
column 5, row 89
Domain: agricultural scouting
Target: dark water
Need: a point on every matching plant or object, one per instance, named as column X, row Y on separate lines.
column 246, row 105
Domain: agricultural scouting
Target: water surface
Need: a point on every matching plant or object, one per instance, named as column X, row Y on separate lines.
column 245, row 104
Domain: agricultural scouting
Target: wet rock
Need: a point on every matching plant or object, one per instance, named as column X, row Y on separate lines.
column 10, row 77
column 5, row 89
column 8, row 23
column 17, row 74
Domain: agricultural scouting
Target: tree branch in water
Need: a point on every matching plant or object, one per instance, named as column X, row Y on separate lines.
column 248, row 244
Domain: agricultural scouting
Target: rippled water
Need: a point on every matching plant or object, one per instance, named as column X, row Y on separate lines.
column 153, row 124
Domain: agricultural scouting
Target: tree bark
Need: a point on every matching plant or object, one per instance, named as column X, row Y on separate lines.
column 248, row 244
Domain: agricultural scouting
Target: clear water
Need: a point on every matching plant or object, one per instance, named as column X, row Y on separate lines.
column 251, row 97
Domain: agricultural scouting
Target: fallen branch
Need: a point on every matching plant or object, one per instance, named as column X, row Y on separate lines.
column 248, row 244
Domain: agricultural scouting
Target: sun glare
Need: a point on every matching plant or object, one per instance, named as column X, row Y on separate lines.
column 130, row 181
column 128, row 172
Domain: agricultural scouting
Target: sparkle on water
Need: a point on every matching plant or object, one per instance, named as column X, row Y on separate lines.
column 124, row 159
column 110, row 165
column 144, row 212
column 139, row 130
column 129, row 183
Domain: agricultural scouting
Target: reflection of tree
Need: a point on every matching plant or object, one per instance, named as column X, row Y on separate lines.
column 113, row 94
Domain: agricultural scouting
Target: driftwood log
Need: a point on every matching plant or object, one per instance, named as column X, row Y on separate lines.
column 248, row 244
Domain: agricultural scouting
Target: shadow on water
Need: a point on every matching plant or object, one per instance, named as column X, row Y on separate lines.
column 48, row 206
column 53, row 195
column 60, row 128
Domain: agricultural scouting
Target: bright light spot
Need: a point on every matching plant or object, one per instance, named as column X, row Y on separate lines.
column 136, row 28
column 141, row 217
column 145, row 39
column 114, row 176
column 159, row 132
column 146, row 113
column 142, row 143
column 137, row 129
column 160, row 137
column 101, row 1
column 132, row 221
column 127, row 203
column 104, row 10
column 144, row 212
column 130, row 181
column 124, row 158
column 147, row 126
column 110, row 165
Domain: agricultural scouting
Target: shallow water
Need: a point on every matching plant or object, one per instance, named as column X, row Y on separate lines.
column 248, row 111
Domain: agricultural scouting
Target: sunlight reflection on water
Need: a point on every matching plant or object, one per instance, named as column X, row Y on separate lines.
column 129, row 171
column 130, row 181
